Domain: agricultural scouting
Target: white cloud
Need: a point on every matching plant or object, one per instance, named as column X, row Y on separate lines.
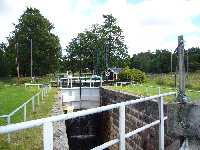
column 147, row 25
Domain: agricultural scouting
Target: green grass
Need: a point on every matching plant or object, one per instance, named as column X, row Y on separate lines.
column 192, row 80
column 11, row 97
column 30, row 138
column 152, row 89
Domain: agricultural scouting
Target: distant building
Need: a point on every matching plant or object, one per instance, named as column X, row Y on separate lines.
column 113, row 73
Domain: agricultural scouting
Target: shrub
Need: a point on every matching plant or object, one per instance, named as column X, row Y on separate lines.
column 129, row 75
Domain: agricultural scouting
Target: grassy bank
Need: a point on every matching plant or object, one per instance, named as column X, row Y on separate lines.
column 148, row 89
column 30, row 138
column 192, row 80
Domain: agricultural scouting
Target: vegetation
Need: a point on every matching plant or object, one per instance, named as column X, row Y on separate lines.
column 192, row 80
column 30, row 138
column 132, row 75
column 98, row 48
column 12, row 97
column 46, row 49
column 159, row 61
column 149, row 90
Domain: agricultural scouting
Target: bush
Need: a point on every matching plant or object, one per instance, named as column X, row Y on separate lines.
column 129, row 75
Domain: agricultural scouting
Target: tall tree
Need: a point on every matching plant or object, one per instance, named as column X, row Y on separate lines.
column 98, row 46
column 46, row 49
column 4, row 62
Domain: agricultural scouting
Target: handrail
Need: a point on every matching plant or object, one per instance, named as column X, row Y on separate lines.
column 72, row 115
column 48, row 126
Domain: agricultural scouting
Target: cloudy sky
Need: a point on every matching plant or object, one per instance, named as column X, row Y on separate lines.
column 147, row 24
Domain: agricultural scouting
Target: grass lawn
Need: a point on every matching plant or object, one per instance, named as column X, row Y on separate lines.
column 30, row 138
column 11, row 97
column 149, row 90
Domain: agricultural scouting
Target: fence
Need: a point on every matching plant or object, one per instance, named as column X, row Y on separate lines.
column 47, row 123
column 42, row 93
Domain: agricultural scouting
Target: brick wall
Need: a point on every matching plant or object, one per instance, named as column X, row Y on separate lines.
column 136, row 116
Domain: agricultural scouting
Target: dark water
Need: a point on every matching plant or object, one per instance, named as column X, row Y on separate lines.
column 84, row 132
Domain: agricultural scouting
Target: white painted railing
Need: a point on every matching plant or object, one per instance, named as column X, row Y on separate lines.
column 43, row 92
column 89, row 80
column 48, row 127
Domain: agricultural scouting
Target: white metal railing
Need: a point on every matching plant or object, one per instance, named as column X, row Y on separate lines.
column 90, row 80
column 42, row 93
column 48, row 127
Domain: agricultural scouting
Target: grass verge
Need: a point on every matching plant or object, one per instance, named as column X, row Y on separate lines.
column 30, row 138
column 149, row 90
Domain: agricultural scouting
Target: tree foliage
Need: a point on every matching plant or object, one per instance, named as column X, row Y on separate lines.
column 46, row 49
column 132, row 75
column 94, row 46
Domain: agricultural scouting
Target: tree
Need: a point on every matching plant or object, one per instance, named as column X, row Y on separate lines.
column 91, row 48
column 46, row 49
column 4, row 71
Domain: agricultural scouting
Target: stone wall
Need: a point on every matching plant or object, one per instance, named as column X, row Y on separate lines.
column 60, row 140
column 137, row 116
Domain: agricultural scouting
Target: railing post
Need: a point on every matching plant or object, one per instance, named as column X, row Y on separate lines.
column 146, row 90
column 33, row 103
column 161, row 125
column 8, row 122
column 48, row 136
column 42, row 94
column 122, row 145
column 25, row 112
column 158, row 90
column 71, row 83
column 38, row 98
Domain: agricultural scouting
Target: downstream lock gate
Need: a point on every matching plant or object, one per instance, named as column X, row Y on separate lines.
column 84, row 132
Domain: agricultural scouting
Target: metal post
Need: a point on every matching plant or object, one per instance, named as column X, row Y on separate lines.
column 38, row 95
column 171, row 63
column 8, row 122
column 24, row 112
column 146, row 90
column 31, row 62
column 33, row 103
column 101, row 81
column 71, row 82
column 42, row 94
column 17, row 61
column 122, row 145
column 158, row 90
column 48, row 136
column 161, row 125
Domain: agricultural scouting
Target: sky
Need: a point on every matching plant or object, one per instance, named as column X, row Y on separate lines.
column 147, row 24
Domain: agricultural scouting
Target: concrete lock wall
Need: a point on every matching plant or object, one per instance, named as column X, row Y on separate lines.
column 136, row 116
